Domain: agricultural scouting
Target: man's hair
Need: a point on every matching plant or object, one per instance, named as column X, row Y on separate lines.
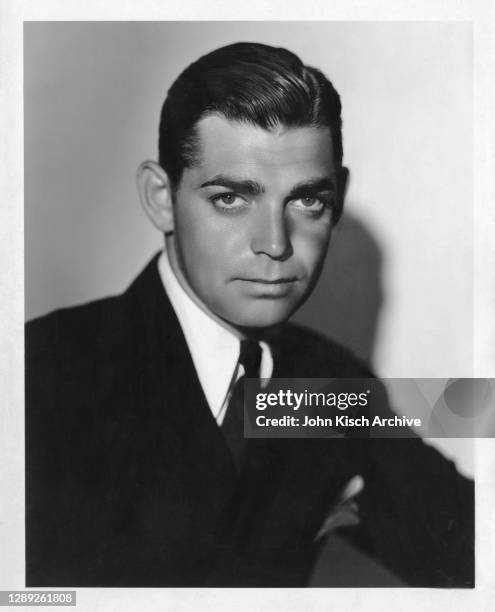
column 246, row 82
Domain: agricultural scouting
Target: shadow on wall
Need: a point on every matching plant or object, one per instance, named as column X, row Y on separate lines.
column 346, row 303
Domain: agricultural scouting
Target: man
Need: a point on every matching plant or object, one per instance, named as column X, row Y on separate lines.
column 137, row 471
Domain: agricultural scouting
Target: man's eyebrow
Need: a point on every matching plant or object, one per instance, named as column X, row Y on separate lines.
column 312, row 186
column 246, row 186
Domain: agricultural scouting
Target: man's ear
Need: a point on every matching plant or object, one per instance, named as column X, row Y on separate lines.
column 343, row 181
column 342, row 185
column 155, row 193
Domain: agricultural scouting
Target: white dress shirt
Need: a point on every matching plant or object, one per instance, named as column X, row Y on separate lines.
column 214, row 349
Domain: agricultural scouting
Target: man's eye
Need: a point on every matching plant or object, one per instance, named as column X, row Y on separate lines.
column 309, row 204
column 228, row 201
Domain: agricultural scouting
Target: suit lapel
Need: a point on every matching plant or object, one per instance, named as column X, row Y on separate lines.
column 172, row 399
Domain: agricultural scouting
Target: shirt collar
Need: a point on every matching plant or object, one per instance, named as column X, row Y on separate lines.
column 206, row 338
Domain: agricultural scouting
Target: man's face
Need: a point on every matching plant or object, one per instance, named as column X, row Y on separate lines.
column 252, row 219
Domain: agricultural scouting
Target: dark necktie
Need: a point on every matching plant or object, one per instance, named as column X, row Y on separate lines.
column 233, row 423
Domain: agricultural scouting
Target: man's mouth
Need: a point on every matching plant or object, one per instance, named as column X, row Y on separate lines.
column 269, row 288
column 271, row 281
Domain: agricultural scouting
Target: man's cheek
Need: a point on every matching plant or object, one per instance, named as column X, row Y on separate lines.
column 311, row 250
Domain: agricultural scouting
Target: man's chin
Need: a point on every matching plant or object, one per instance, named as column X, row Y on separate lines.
column 260, row 318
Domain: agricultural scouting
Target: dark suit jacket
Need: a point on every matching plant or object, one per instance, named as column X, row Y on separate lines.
column 129, row 481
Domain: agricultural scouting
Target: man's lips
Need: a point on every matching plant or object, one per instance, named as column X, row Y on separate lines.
column 268, row 281
column 268, row 288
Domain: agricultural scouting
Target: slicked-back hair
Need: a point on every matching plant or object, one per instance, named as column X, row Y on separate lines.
column 245, row 82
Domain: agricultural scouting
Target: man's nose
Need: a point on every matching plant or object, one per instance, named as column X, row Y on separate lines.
column 271, row 233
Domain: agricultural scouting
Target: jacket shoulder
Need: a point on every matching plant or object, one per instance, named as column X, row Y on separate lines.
column 86, row 327
column 319, row 357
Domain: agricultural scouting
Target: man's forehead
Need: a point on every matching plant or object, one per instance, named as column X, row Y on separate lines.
column 224, row 144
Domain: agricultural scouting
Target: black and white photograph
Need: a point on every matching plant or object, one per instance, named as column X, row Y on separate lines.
column 207, row 202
